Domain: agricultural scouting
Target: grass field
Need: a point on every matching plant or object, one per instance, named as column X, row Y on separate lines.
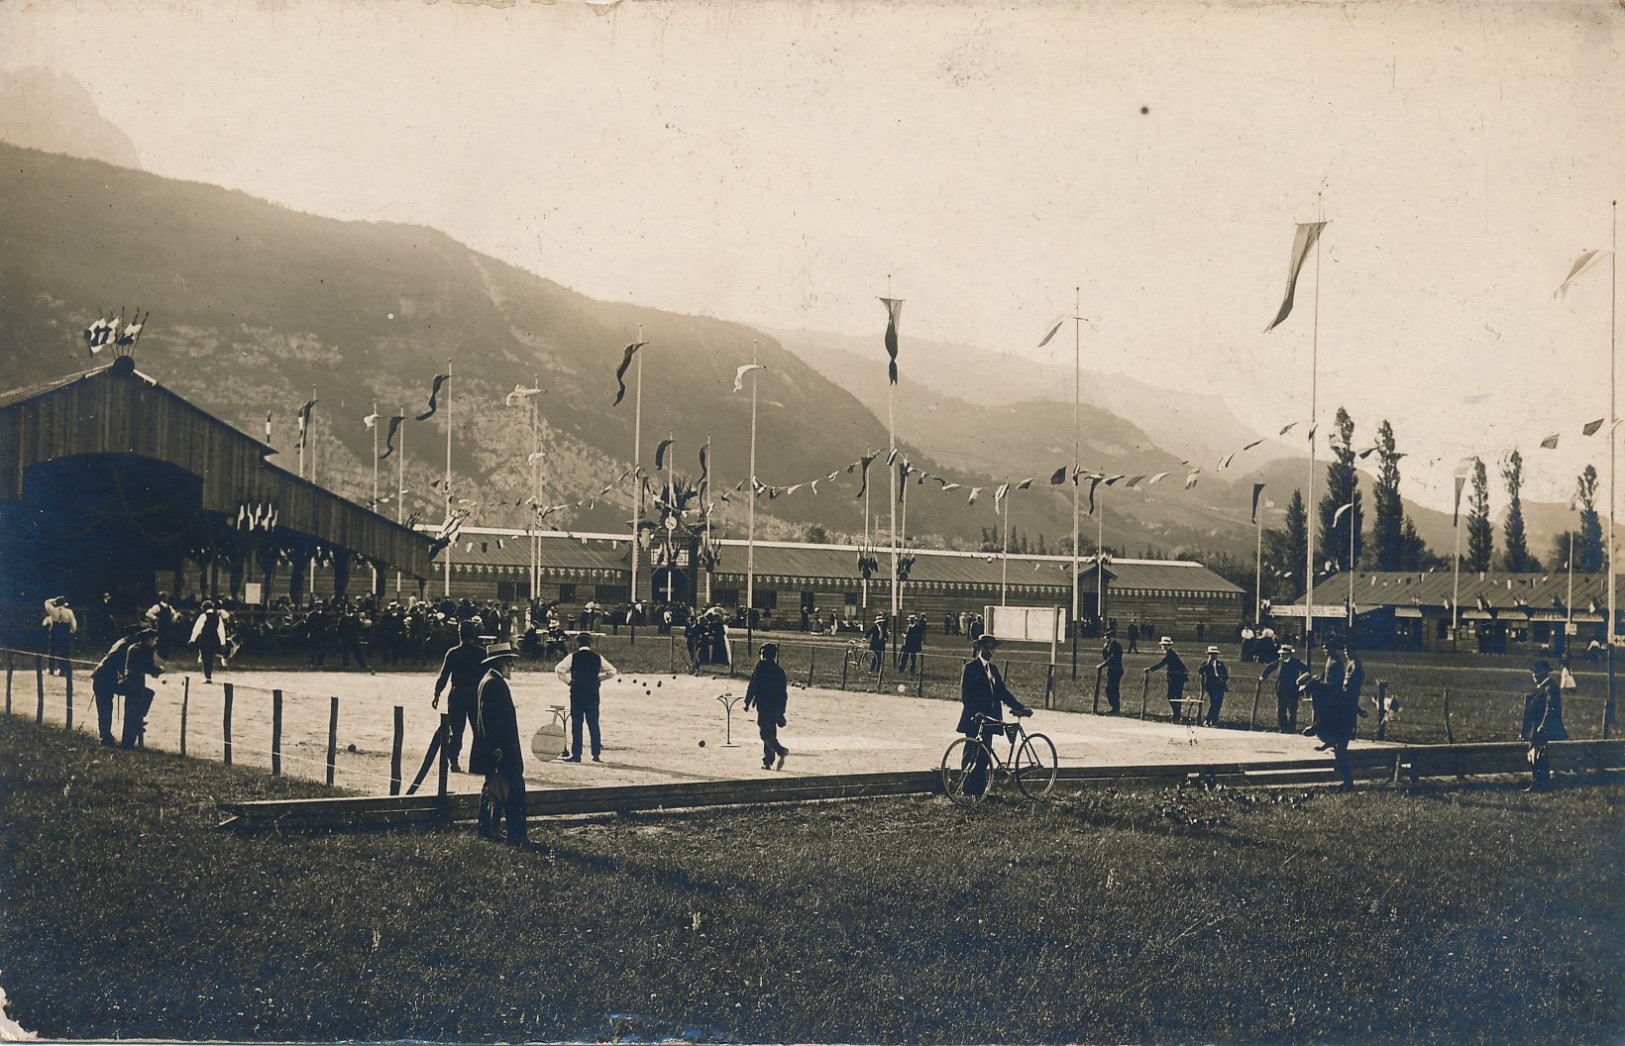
column 1475, row 914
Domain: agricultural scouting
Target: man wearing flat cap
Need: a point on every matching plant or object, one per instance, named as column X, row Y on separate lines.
column 768, row 692
column 981, row 691
column 1286, row 687
column 494, row 749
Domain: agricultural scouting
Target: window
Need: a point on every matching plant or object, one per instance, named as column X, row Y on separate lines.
column 852, row 599
column 567, row 593
column 609, row 593
column 728, row 597
column 767, row 599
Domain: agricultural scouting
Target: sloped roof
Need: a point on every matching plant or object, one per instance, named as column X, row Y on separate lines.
column 1546, row 594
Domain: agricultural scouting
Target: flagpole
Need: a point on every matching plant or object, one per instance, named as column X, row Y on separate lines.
column 865, row 552
column 1258, row 578
column 1309, row 502
column 671, row 558
column 891, row 446
column 1613, row 446
column 1351, row 566
column 400, row 484
column 750, row 512
column 536, row 490
column 1455, row 586
column 898, row 580
column 449, row 544
column 705, row 503
column 637, row 471
column 1077, row 401
column 376, row 587
column 1100, row 563
column 310, row 438
column 1004, row 561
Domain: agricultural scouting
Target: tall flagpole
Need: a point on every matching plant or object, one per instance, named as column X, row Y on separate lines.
column 705, row 504
column 400, row 485
column 376, row 586
column 865, row 532
column 750, row 505
column 891, row 446
column 310, row 438
column 1077, row 401
column 1100, row 561
column 451, row 544
column 671, row 554
column 1309, row 503
column 1613, row 446
column 1004, row 560
column 1258, row 572
column 1455, row 583
column 637, row 472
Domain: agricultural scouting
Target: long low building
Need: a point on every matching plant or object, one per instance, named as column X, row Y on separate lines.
column 786, row 578
column 1492, row 612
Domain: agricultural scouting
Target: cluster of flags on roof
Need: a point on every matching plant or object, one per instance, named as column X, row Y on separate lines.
column 256, row 516
column 105, row 331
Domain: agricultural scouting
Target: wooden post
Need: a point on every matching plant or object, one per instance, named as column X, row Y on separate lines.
column 880, row 676
column 812, row 660
column 919, row 675
column 276, row 733
column 1145, row 692
column 67, row 679
column 39, row 681
column 186, row 697
column 846, row 665
column 1449, row 734
column 445, row 751
column 1049, row 686
column 332, row 738
column 1258, row 692
column 225, row 724
column 9, row 668
column 395, row 752
column 1094, row 705
column 671, row 654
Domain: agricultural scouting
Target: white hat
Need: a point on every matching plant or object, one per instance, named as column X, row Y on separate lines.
column 1213, row 650
column 1166, row 641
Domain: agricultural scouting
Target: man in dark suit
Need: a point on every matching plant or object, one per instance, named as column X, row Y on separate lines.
column 1111, row 661
column 1542, row 722
column 913, row 644
column 1215, row 676
column 1289, row 669
column 494, row 749
column 463, row 668
column 140, row 661
column 769, row 692
column 1335, row 718
column 981, row 692
column 1174, row 665
column 878, row 637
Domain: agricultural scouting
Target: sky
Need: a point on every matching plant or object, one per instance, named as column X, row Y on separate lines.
column 786, row 162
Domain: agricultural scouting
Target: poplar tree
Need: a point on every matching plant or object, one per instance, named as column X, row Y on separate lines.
column 1517, row 557
column 1480, row 533
column 1387, row 530
column 1588, row 556
column 1342, row 484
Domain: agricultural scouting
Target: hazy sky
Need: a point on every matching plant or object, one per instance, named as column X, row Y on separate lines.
column 776, row 162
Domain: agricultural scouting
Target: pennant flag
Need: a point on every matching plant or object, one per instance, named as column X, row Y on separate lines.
column 894, row 316
column 519, row 395
column 389, row 435
column 1288, row 428
column 660, row 453
column 1253, row 444
column 370, row 420
column 434, row 393
column 863, row 465
column 132, row 330
column 1483, row 604
column 892, row 457
column 739, row 375
column 1337, row 517
column 304, row 421
column 1190, row 480
column 902, row 478
column 1024, row 484
column 1111, row 481
column 1367, row 452
column 1134, row 481
column 1153, row 479
column 950, row 486
column 1224, row 462
column 1581, row 264
column 837, row 472
column 533, row 457
column 267, row 426
column 705, row 469
column 1307, row 235
column 1094, row 481
column 1455, row 513
column 1054, row 328
column 1059, row 477
column 974, row 491
column 95, row 335
column 1258, row 488
column 814, row 485
column 999, row 495
column 1312, row 429
column 1550, row 442
column 1591, row 427
column 620, row 372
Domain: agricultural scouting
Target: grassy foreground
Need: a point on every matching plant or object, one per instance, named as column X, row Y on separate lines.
column 1474, row 914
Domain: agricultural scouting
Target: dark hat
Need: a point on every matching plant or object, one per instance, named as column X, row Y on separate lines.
column 770, row 651
column 499, row 652
column 1111, row 630
column 584, row 638
column 1541, row 668
column 985, row 639
column 208, row 604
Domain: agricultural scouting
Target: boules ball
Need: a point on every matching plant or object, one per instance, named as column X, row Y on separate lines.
column 902, row 689
column 702, row 743
column 350, row 748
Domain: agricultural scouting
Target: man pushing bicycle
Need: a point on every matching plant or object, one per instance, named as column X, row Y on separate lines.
column 981, row 690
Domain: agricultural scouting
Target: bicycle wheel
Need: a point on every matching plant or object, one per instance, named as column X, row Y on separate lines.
column 957, row 763
column 1034, row 766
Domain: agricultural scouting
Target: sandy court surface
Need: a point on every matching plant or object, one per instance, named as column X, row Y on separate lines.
column 653, row 727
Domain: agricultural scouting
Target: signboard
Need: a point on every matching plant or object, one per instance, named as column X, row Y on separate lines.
column 251, row 592
column 1026, row 624
column 1336, row 610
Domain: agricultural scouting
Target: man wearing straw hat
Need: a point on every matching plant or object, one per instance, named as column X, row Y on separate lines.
column 494, row 749
column 1287, row 691
column 1177, row 675
column 1215, row 676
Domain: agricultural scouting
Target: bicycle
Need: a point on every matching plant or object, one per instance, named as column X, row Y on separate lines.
column 1032, row 762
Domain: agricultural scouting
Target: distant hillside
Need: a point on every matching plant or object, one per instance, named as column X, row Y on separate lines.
column 50, row 110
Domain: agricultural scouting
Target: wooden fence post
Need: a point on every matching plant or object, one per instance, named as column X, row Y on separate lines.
column 1049, row 686
column 186, row 698
column 395, row 752
column 332, row 738
column 1145, row 692
column 8, row 682
column 276, row 733
column 39, row 682
column 225, row 724
column 1258, row 692
column 846, row 665
column 67, row 679
column 1094, row 704
column 671, row 654
column 1449, row 734
column 919, row 675
column 812, row 662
